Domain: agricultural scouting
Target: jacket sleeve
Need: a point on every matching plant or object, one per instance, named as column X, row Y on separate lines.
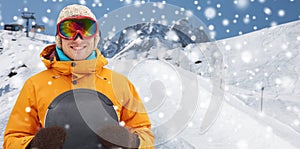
column 23, row 121
column 135, row 117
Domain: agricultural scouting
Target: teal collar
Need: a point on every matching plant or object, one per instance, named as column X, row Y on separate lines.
column 63, row 57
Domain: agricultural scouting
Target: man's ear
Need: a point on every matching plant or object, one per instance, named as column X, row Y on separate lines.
column 58, row 41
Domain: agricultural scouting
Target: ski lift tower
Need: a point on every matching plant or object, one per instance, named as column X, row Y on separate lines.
column 28, row 16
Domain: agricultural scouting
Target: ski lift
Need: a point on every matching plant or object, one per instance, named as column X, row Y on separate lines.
column 28, row 16
column 13, row 27
column 38, row 28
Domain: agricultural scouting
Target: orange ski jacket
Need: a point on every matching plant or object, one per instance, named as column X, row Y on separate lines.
column 29, row 112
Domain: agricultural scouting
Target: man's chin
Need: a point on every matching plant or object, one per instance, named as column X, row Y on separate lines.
column 77, row 57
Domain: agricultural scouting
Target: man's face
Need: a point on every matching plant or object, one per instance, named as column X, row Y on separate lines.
column 78, row 49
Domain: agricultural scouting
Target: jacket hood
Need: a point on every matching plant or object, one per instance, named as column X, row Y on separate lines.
column 77, row 68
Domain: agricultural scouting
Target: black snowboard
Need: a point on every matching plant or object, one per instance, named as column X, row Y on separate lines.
column 82, row 112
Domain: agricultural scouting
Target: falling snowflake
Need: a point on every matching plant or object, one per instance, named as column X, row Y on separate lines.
column 122, row 123
column 161, row 115
column 146, row 99
column 225, row 22
column 281, row 13
column 246, row 19
column 171, row 35
column 242, row 4
column 27, row 109
column 82, row 2
column 273, row 23
column 128, row 1
column 25, row 9
column 137, row 3
column 246, row 57
column 199, row 8
column 15, row 18
column 45, row 19
column 30, row 47
column 267, row 11
column 189, row 13
column 193, row 38
column 67, row 126
column 296, row 122
column 210, row 12
column 262, row 1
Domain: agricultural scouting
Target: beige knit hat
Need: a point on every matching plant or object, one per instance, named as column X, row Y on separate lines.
column 75, row 10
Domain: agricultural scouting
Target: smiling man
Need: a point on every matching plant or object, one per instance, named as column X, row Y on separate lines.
column 48, row 112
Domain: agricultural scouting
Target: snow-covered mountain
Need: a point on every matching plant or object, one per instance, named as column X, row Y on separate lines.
column 266, row 58
column 156, row 41
column 150, row 35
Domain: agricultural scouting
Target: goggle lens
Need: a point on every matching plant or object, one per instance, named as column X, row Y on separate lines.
column 68, row 29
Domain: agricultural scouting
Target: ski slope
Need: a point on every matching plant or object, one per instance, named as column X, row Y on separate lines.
column 239, row 124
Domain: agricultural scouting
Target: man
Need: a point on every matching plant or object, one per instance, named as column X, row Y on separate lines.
column 75, row 63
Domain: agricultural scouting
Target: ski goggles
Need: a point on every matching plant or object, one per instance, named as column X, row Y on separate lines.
column 69, row 28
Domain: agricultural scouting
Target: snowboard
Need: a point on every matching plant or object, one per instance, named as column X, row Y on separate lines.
column 82, row 113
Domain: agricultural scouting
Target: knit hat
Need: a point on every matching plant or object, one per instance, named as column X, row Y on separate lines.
column 71, row 11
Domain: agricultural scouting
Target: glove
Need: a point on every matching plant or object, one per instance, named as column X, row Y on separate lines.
column 48, row 138
column 118, row 137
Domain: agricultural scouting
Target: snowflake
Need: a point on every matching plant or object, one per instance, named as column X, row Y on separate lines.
column 281, row 13
column 267, row 11
column 225, row 22
column 27, row 109
column 246, row 57
column 45, row 19
column 241, row 4
column 161, row 115
column 210, row 13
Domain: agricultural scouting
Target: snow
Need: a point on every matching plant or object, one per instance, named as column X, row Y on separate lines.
column 21, row 56
column 281, row 13
column 178, row 98
column 242, row 4
column 210, row 13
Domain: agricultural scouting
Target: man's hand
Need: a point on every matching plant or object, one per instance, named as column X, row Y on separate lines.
column 48, row 138
column 118, row 137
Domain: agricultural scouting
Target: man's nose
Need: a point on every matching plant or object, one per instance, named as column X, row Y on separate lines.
column 78, row 35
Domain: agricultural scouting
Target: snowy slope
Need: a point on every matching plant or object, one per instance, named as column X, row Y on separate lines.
column 268, row 58
column 19, row 59
column 239, row 124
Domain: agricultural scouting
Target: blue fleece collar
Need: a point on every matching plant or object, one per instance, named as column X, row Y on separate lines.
column 63, row 57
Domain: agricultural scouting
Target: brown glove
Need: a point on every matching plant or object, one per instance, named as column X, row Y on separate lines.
column 118, row 137
column 48, row 138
